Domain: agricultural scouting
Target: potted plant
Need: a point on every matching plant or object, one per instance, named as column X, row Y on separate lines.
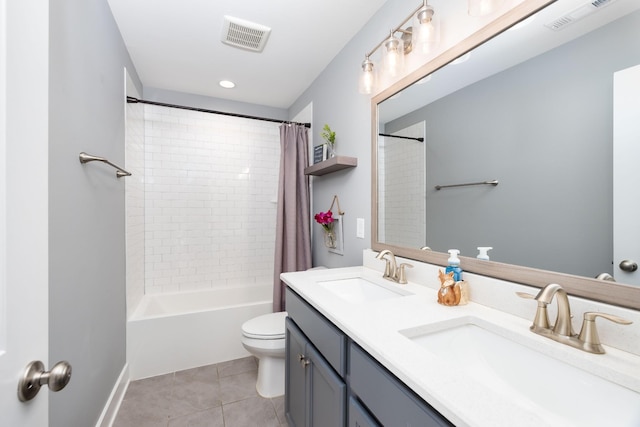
column 330, row 137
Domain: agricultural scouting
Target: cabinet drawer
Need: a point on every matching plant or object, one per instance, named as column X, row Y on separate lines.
column 387, row 398
column 328, row 339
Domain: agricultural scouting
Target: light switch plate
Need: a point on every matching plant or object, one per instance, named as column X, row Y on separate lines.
column 360, row 228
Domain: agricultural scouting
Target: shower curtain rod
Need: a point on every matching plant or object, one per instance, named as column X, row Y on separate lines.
column 401, row 137
column 132, row 100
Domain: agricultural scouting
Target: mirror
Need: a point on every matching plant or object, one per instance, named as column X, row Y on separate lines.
column 531, row 109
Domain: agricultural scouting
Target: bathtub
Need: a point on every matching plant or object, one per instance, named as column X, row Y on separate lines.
column 172, row 332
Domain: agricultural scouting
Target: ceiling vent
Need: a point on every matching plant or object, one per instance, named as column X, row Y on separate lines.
column 244, row 34
column 577, row 14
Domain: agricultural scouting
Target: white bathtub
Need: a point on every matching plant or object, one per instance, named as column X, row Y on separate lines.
column 172, row 332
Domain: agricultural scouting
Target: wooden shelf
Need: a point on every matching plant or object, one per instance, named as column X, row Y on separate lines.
column 333, row 164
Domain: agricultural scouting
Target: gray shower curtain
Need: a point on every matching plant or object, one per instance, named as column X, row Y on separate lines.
column 293, row 235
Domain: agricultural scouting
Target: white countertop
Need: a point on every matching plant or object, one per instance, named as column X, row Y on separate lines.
column 459, row 397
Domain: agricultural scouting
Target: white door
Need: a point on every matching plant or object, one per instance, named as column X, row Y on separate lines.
column 23, row 205
column 626, row 174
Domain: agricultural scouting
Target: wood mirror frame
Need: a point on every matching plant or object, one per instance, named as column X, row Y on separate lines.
column 594, row 289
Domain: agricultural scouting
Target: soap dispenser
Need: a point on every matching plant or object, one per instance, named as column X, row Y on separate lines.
column 482, row 252
column 454, row 265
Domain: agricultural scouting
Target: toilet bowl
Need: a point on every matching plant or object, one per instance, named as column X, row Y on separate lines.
column 263, row 337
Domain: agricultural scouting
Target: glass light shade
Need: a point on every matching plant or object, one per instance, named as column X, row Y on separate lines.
column 367, row 81
column 483, row 7
column 426, row 30
column 393, row 57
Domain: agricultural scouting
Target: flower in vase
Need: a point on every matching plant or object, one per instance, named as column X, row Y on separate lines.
column 325, row 219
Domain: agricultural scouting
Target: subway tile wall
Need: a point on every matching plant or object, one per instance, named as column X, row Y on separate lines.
column 134, row 196
column 403, row 210
column 210, row 200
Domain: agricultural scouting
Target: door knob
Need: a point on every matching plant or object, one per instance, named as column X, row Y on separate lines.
column 628, row 266
column 35, row 377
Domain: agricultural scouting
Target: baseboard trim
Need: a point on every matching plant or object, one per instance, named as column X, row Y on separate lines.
column 110, row 410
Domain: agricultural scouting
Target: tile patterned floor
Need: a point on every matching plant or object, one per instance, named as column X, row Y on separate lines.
column 221, row 395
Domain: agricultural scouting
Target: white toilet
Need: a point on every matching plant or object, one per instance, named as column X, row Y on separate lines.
column 263, row 336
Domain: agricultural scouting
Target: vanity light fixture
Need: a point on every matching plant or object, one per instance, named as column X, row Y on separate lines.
column 426, row 29
column 393, row 56
column 483, row 7
column 424, row 34
column 367, row 78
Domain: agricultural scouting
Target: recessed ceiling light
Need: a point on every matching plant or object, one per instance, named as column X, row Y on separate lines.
column 227, row 84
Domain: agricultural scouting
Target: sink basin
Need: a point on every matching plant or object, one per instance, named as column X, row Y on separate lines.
column 359, row 290
column 568, row 395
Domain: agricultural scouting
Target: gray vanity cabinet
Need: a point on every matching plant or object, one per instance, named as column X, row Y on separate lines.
column 315, row 393
column 295, row 377
column 390, row 401
column 318, row 379
column 359, row 416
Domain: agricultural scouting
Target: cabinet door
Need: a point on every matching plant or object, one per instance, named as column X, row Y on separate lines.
column 327, row 392
column 358, row 416
column 295, row 376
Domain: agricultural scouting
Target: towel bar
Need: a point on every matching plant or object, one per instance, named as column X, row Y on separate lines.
column 494, row 183
column 85, row 158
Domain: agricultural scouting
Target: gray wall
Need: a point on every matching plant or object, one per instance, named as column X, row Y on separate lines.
column 86, row 207
column 215, row 104
column 336, row 101
column 544, row 129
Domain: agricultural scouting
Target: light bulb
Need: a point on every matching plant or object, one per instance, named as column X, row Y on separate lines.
column 367, row 80
column 393, row 57
column 426, row 30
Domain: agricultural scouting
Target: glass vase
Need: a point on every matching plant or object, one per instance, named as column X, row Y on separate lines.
column 330, row 239
column 331, row 150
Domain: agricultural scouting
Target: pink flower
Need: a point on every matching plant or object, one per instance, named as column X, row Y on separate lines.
column 325, row 219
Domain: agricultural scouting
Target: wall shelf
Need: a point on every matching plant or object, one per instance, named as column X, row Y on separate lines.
column 333, row 164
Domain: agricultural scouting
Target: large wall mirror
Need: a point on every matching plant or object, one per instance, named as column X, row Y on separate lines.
column 531, row 118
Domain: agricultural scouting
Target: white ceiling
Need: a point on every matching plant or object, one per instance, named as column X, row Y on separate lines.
column 175, row 45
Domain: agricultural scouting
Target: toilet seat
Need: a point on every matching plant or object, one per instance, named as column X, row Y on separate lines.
column 266, row 327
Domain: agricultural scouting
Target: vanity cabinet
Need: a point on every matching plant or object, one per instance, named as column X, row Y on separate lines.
column 359, row 416
column 315, row 391
column 390, row 401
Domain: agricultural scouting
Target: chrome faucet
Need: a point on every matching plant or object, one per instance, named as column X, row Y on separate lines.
column 392, row 271
column 562, row 331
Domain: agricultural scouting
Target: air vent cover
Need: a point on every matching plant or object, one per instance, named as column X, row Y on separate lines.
column 244, row 34
column 577, row 14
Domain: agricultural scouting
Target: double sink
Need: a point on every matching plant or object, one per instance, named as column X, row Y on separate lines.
column 508, row 364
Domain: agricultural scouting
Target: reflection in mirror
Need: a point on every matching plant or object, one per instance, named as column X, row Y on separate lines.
column 401, row 168
column 532, row 108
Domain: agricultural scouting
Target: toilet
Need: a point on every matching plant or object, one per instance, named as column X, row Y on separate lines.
column 263, row 337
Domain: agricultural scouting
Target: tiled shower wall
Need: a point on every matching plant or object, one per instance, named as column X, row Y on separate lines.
column 402, row 192
column 134, row 195
column 210, row 200
column 201, row 202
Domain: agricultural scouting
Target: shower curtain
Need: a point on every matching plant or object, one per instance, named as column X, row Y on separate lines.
column 293, row 235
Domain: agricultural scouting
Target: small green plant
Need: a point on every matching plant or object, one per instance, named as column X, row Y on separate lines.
column 328, row 135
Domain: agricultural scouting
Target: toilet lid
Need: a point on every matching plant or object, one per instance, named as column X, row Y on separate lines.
column 266, row 327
